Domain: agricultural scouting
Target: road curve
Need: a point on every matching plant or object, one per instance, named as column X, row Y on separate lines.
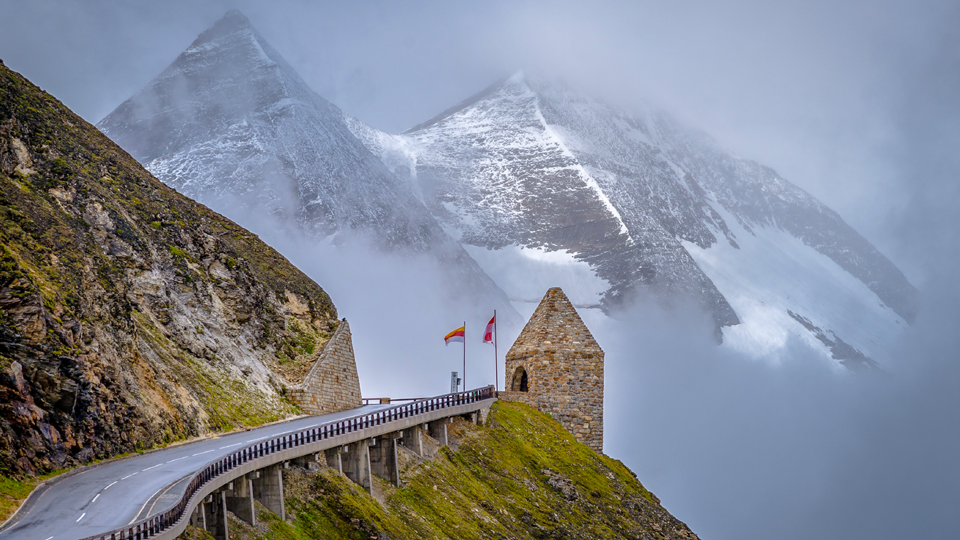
column 113, row 494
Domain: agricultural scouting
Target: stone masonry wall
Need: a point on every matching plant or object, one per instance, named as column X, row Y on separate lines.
column 333, row 383
column 564, row 366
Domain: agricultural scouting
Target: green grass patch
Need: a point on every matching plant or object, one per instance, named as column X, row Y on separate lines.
column 13, row 492
column 180, row 253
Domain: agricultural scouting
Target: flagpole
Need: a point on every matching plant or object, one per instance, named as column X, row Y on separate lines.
column 464, row 356
column 496, row 358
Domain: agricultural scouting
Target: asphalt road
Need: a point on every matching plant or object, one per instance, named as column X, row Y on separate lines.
column 116, row 493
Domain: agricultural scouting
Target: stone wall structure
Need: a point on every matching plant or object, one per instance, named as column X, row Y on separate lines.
column 333, row 383
column 556, row 366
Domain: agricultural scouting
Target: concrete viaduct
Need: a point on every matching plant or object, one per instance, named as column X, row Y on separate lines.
column 358, row 443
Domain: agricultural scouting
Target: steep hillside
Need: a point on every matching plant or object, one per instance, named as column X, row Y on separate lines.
column 129, row 314
column 536, row 176
column 521, row 477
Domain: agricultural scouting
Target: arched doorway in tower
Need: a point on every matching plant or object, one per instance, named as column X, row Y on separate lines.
column 520, row 381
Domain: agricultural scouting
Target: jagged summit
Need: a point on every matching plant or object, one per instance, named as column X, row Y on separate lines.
column 465, row 103
column 232, row 21
column 226, row 71
column 231, row 124
column 634, row 204
column 501, row 175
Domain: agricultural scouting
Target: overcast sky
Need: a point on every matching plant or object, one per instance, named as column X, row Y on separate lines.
column 857, row 102
column 811, row 88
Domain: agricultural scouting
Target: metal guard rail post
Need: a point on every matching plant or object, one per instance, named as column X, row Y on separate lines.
column 155, row 524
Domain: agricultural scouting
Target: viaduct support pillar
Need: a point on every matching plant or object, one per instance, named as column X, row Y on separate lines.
column 438, row 430
column 335, row 459
column 240, row 500
column 413, row 440
column 268, row 489
column 383, row 458
column 215, row 511
column 198, row 518
column 356, row 464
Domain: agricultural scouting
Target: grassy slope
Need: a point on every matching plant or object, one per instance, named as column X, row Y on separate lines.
column 522, row 476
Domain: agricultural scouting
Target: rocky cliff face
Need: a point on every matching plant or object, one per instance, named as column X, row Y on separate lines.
column 129, row 314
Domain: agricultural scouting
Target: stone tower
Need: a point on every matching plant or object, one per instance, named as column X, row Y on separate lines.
column 556, row 366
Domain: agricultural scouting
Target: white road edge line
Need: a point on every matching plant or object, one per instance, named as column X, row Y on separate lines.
column 154, row 467
column 95, row 499
column 81, row 517
column 144, row 506
column 111, row 483
column 129, row 475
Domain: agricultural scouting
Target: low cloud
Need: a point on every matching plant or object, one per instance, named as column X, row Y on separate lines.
column 746, row 449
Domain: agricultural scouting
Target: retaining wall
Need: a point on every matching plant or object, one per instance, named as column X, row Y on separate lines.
column 333, row 383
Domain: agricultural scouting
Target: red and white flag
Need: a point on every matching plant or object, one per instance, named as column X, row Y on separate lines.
column 488, row 333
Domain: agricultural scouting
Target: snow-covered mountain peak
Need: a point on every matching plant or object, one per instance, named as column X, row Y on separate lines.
column 234, row 33
column 531, row 166
column 231, row 124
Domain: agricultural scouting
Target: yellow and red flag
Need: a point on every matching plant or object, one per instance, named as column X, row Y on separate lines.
column 455, row 336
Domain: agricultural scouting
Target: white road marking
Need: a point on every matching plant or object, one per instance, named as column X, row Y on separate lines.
column 154, row 467
column 230, row 445
column 95, row 499
column 81, row 517
column 258, row 439
column 129, row 475
column 111, row 483
column 51, row 538
column 201, row 453
column 178, row 459
column 144, row 506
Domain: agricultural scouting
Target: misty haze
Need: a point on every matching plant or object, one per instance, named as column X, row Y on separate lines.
column 720, row 241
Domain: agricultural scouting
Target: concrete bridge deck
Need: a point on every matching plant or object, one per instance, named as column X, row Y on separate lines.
column 156, row 495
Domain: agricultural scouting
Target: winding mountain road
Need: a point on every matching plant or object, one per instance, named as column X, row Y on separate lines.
column 115, row 493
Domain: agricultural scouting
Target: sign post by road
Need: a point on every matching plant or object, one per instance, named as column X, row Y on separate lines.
column 454, row 381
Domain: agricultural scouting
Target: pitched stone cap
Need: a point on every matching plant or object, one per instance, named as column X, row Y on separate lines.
column 555, row 325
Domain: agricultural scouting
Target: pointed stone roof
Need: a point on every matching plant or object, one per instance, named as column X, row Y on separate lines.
column 555, row 325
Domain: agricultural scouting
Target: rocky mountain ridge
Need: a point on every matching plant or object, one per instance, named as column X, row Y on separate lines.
column 527, row 185
column 645, row 206
column 231, row 124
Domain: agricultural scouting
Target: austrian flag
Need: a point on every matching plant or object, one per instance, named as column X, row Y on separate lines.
column 488, row 333
column 455, row 336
